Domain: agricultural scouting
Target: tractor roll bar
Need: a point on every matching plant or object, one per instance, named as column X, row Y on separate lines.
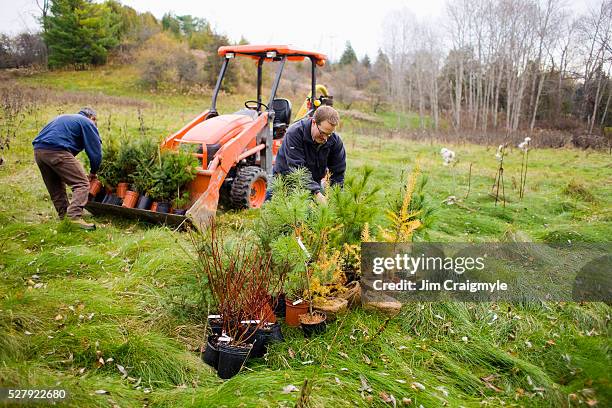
column 213, row 105
column 259, row 82
column 313, row 85
column 279, row 73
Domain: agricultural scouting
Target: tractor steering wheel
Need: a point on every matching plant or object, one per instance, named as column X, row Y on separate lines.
column 257, row 105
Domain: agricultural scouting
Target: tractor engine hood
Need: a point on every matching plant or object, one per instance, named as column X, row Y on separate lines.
column 218, row 129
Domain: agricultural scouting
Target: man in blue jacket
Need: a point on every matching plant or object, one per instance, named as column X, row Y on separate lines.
column 55, row 149
column 311, row 143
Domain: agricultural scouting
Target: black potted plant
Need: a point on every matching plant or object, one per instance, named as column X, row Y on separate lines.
column 174, row 170
column 109, row 172
column 239, row 280
column 180, row 202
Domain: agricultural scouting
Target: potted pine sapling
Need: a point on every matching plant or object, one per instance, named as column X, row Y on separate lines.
column 108, row 173
column 143, row 183
column 174, row 171
column 127, row 161
column 137, row 159
column 238, row 279
column 142, row 175
column 181, row 200
column 291, row 260
column 314, row 321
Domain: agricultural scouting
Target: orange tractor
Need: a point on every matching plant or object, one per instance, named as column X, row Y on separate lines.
column 236, row 151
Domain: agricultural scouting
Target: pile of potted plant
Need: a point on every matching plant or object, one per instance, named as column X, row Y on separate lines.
column 139, row 175
column 239, row 280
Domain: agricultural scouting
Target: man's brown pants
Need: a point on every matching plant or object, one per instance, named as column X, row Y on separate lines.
column 60, row 168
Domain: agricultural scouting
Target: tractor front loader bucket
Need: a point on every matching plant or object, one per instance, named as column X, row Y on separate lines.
column 172, row 220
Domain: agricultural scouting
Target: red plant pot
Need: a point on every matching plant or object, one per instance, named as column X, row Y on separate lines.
column 129, row 199
column 293, row 312
column 94, row 187
column 122, row 188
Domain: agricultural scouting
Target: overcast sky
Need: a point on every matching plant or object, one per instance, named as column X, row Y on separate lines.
column 322, row 26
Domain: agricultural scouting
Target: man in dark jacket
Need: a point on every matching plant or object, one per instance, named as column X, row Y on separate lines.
column 55, row 149
column 311, row 143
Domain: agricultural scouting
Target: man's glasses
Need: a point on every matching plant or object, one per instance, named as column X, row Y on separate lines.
column 322, row 132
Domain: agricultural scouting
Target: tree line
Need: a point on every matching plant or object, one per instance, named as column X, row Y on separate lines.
column 493, row 64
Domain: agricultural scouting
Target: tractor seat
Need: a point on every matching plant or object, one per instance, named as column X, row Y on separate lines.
column 282, row 116
column 282, row 111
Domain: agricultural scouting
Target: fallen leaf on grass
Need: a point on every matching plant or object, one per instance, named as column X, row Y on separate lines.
column 58, row 317
column 389, row 399
column 291, row 353
column 343, row 354
column 443, row 390
column 289, row 388
column 591, row 402
column 102, row 392
column 487, row 380
column 122, row 370
column 417, row 386
column 364, row 384
column 406, row 401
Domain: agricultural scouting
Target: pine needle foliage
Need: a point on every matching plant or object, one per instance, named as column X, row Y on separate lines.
column 354, row 205
column 405, row 221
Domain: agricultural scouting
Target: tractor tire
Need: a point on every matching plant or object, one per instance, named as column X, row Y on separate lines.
column 249, row 187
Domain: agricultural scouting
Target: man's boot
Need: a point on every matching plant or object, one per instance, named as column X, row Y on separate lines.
column 81, row 223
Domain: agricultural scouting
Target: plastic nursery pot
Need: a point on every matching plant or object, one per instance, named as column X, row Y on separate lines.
column 270, row 333
column 216, row 324
column 292, row 312
column 112, row 199
column 278, row 303
column 94, row 187
column 179, row 211
column 122, row 188
column 163, row 207
column 100, row 196
column 153, row 206
column 211, row 353
column 144, row 202
column 314, row 323
column 231, row 359
column 130, row 199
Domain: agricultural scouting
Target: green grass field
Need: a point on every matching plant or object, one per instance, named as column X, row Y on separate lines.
column 76, row 305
